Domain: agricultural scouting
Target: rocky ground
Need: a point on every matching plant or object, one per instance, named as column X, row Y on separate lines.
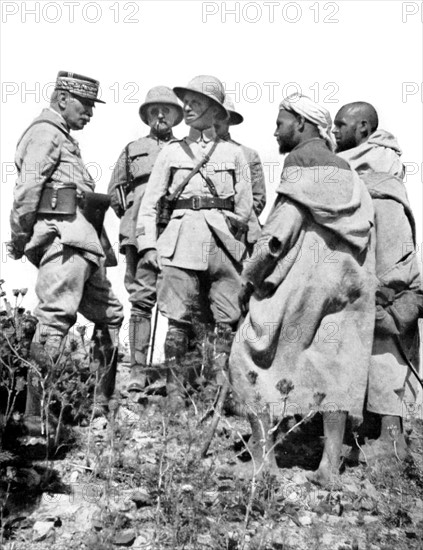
column 136, row 480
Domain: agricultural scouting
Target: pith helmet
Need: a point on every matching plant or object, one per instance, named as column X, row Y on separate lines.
column 79, row 85
column 206, row 85
column 160, row 94
column 234, row 117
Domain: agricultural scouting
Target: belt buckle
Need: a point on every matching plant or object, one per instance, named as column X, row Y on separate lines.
column 196, row 202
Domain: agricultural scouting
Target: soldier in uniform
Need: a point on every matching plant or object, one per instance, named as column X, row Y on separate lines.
column 161, row 112
column 258, row 183
column 49, row 227
column 207, row 185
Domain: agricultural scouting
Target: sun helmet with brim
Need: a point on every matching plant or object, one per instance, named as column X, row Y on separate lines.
column 83, row 87
column 162, row 95
column 207, row 86
column 234, row 117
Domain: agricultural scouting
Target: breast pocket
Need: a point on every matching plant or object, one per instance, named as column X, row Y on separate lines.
column 178, row 174
column 71, row 148
column 141, row 165
column 222, row 175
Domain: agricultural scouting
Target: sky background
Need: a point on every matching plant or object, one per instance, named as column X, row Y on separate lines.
column 336, row 52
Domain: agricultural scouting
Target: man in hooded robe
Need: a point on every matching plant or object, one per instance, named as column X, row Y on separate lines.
column 305, row 344
column 375, row 155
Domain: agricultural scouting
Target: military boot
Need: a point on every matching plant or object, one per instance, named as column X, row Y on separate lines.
column 176, row 346
column 45, row 350
column 139, row 339
column 106, row 347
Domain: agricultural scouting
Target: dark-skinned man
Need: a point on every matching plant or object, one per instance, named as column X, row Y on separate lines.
column 198, row 253
column 50, row 225
column 305, row 343
column 375, row 154
column 161, row 112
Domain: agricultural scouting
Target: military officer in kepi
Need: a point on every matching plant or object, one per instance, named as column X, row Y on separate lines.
column 205, row 186
column 56, row 222
column 160, row 111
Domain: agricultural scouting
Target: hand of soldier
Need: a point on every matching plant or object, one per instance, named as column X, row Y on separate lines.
column 14, row 252
column 152, row 259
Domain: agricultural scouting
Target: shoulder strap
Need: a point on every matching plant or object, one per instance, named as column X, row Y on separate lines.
column 197, row 168
column 44, row 120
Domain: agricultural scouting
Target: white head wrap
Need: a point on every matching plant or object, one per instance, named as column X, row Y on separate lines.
column 313, row 112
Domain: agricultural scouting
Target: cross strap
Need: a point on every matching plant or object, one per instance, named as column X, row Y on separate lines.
column 197, row 169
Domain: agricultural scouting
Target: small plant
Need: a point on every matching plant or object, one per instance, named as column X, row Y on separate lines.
column 17, row 328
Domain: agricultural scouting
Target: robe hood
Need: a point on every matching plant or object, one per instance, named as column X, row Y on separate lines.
column 380, row 153
column 332, row 193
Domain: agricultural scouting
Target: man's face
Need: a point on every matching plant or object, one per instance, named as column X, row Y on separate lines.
column 161, row 117
column 285, row 133
column 199, row 111
column 345, row 130
column 77, row 112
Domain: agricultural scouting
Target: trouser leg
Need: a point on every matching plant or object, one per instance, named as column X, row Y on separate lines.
column 62, row 276
column 60, row 282
column 100, row 305
column 225, row 286
column 67, row 283
column 140, row 283
column 105, row 352
column 177, row 295
column 139, row 338
column 45, row 350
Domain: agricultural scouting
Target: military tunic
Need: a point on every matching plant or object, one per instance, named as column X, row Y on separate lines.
column 65, row 248
column 198, row 248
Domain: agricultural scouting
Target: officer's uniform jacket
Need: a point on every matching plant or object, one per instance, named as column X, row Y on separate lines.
column 49, row 154
column 186, row 241
column 142, row 155
column 258, row 185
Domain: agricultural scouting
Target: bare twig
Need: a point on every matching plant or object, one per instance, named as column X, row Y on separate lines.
column 224, row 389
column 359, row 446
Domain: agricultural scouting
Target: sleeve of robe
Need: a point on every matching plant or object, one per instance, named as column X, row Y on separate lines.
column 279, row 235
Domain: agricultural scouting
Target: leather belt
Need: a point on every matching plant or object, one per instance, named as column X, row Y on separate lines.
column 204, row 202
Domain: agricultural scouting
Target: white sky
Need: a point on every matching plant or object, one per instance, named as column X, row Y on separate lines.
column 364, row 51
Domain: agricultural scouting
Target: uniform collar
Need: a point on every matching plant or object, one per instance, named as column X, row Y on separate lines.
column 52, row 114
column 205, row 136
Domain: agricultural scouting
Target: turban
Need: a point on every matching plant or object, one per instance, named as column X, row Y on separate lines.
column 313, row 112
